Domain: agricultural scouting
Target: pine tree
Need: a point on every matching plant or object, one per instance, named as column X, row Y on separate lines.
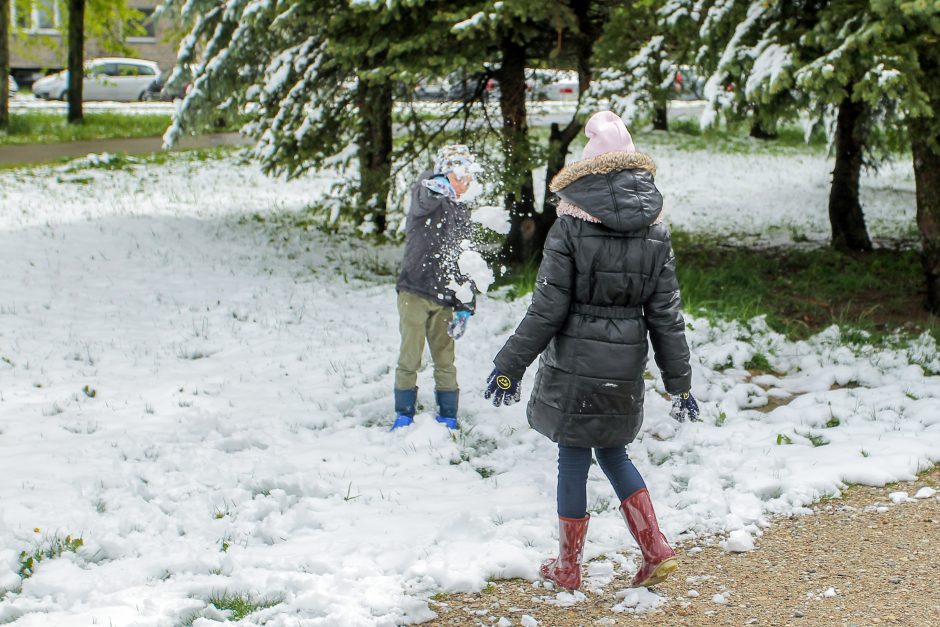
column 4, row 63
column 313, row 81
column 506, row 35
column 903, row 65
column 511, row 37
column 773, row 60
column 875, row 63
column 642, row 72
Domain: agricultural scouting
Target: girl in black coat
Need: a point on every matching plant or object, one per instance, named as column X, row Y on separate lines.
column 607, row 285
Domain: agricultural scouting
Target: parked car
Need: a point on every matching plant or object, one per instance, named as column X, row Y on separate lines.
column 13, row 87
column 552, row 84
column 431, row 89
column 157, row 89
column 463, row 87
column 109, row 78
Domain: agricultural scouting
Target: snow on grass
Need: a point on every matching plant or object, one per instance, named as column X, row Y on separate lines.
column 204, row 400
column 775, row 199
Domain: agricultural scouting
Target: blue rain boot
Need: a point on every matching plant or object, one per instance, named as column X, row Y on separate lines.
column 447, row 404
column 405, row 401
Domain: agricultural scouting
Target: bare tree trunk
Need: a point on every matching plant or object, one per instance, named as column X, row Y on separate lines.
column 522, row 245
column 661, row 117
column 759, row 131
column 559, row 139
column 927, row 184
column 375, row 149
column 559, row 143
column 845, row 210
column 76, row 60
column 4, row 63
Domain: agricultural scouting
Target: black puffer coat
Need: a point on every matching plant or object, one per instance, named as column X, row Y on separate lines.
column 435, row 227
column 601, row 288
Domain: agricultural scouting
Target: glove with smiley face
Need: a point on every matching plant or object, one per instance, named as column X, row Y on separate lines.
column 503, row 389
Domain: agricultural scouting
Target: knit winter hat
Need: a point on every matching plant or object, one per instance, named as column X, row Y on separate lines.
column 455, row 158
column 606, row 133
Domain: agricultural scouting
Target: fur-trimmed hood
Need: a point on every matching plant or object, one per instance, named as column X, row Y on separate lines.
column 616, row 188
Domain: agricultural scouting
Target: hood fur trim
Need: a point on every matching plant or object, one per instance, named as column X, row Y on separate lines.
column 565, row 208
column 602, row 164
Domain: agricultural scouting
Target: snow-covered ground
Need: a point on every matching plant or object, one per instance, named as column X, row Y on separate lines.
column 541, row 112
column 204, row 399
column 28, row 103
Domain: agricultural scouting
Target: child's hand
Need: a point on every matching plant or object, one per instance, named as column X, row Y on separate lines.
column 684, row 407
column 458, row 325
column 504, row 389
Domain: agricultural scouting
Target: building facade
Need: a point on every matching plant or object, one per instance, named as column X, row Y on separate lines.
column 39, row 42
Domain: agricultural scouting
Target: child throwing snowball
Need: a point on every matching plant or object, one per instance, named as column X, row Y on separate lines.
column 607, row 284
column 434, row 300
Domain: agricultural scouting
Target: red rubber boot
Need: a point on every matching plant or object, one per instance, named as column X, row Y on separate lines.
column 659, row 560
column 565, row 570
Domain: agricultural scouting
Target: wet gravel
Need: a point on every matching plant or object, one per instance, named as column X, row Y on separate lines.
column 860, row 560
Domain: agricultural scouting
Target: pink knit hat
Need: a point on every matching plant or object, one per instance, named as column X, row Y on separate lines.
column 606, row 133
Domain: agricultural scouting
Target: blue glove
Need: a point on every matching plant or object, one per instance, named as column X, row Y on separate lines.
column 504, row 389
column 458, row 325
column 684, row 407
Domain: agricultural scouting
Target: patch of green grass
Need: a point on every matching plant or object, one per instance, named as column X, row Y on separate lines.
column 758, row 362
column 119, row 161
column 241, row 605
column 520, row 281
column 686, row 134
column 783, row 438
column 485, row 472
column 47, row 128
column 870, row 295
column 816, row 440
column 47, row 549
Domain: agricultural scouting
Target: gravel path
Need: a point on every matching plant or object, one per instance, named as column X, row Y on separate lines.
column 858, row 560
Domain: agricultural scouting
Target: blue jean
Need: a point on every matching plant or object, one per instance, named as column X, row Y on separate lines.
column 573, row 466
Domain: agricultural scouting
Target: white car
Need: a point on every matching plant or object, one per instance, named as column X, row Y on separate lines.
column 13, row 86
column 105, row 79
column 553, row 84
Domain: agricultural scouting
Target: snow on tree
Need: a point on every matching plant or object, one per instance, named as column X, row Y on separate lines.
column 313, row 83
column 641, row 74
column 874, row 64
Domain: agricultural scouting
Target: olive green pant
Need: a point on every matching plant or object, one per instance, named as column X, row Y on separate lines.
column 421, row 319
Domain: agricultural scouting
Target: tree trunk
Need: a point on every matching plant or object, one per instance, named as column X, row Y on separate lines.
column 375, row 149
column 759, row 131
column 661, row 117
column 522, row 245
column 927, row 185
column 845, row 210
column 559, row 140
column 76, row 60
column 4, row 63
column 559, row 143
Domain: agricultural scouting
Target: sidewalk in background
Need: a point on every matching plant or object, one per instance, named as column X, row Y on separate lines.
column 43, row 153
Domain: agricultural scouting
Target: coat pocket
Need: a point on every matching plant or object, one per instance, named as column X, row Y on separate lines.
column 606, row 397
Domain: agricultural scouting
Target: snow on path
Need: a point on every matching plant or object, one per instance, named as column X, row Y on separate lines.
column 204, row 400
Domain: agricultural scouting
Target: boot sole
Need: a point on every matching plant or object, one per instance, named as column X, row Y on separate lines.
column 661, row 572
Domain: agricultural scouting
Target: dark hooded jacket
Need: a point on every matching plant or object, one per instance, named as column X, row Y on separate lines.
column 606, row 283
column 435, row 228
